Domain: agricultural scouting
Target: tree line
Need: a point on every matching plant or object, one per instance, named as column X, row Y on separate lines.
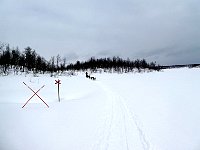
column 29, row 60
column 115, row 64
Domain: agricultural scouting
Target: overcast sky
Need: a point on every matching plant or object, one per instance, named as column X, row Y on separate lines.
column 165, row 31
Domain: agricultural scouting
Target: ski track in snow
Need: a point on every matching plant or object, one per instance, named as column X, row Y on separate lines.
column 120, row 129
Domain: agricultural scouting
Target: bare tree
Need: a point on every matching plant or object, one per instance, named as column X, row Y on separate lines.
column 58, row 59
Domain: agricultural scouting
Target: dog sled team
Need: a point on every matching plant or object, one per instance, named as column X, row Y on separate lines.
column 88, row 76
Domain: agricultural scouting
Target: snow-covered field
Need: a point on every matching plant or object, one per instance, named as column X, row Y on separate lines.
column 157, row 110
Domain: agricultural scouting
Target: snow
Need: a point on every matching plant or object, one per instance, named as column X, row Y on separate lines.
column 146, row 111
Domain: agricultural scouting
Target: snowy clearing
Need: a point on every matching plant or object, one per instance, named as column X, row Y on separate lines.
column 148, row 111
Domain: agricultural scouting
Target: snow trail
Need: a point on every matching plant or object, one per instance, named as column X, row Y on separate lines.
column 120, row 130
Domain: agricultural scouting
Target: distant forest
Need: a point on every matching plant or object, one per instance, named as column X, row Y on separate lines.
column 30, row 60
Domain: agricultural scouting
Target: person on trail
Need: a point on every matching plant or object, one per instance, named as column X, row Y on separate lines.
column 87, row 76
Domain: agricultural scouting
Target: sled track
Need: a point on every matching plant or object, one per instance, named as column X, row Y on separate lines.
column 120, row 129
column 104, row 131
column 134, row 121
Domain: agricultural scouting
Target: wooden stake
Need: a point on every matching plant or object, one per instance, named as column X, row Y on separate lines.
column 58, row 82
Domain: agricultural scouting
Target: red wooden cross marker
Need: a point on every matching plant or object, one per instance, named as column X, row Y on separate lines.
column 58, row 82
column 35, row 93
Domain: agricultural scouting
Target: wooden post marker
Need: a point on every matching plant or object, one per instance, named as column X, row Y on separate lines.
column 58, row 82
column 35, row 93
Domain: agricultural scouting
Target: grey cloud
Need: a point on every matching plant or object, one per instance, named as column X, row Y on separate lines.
column 151, row 29
column 172, row 55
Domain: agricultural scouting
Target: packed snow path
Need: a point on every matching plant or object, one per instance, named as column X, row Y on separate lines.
column 120, row 130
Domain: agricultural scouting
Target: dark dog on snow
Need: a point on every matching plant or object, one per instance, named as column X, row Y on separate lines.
column 92, row 78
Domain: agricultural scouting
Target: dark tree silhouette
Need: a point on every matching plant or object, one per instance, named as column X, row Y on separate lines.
column 115, row 64
column 30, row 61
